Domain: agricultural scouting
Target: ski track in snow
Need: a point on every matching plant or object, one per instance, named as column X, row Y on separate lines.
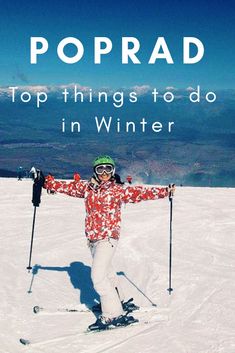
column 198, row 317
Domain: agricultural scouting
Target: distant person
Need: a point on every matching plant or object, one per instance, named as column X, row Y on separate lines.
column 129, row 179
column 103, row 199
column 20, row 173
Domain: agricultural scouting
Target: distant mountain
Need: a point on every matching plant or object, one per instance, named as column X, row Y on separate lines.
column 7, row 173
column 199, row 150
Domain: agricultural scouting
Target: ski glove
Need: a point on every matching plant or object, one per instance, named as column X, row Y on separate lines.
column 76, row 177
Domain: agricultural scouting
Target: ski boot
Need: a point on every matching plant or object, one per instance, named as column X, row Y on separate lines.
column 127, row 306
column 103, row 323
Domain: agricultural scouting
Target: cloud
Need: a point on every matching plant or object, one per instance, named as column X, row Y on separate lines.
column 33, row 89
column 190, row 89
column 56, row 89
column 171, row 88
column 141, row 89
column 69, row 87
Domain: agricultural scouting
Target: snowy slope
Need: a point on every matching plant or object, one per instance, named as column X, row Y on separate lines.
column 197, row 318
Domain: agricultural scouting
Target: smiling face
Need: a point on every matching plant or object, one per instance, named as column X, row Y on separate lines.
column 104, row 177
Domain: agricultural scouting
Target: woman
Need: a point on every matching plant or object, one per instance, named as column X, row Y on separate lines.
column 103, row 199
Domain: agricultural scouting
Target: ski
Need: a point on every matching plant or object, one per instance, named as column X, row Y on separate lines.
column 140, row 321
column 39, row 309
column 32, row 342
column 110, row 328
column 83, row 309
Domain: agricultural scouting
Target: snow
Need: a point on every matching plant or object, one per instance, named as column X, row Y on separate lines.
column 197, row 318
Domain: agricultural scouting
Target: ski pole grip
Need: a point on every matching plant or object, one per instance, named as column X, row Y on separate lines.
column 171, row 193
column 37, row 188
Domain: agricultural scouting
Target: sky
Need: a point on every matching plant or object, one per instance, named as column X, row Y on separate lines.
column 211, row 22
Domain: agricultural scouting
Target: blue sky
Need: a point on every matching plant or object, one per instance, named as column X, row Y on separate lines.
column 212, row 22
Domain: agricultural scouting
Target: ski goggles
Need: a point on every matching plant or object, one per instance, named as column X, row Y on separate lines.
column 107, row 168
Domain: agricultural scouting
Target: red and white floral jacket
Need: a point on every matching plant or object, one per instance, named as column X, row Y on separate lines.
column 103, row 203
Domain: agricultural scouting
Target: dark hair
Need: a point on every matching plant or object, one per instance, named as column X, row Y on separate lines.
column 117, row 179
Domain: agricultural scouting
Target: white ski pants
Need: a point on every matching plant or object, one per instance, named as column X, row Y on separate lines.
column 105, row 279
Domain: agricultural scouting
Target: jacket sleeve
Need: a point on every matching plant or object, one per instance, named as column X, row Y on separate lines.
column 73, row 188
column 136, row 194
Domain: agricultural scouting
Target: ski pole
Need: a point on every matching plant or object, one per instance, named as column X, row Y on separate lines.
column 121, row 273
column 37, row 190
column 170, row 289
column 31, row 245
column 34, row 272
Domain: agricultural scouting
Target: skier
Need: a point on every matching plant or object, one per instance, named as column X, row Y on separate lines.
column 103, row 199
column 20, row 174
column 129, row 179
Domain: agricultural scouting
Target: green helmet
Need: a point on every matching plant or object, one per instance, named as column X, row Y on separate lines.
column 103, row 160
